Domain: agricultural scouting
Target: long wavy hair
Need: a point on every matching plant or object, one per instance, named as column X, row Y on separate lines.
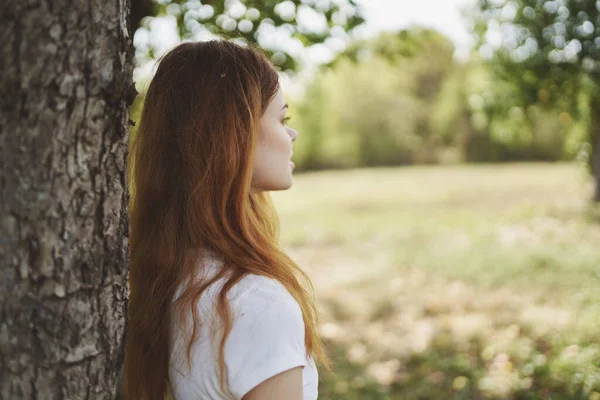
column 189, row 172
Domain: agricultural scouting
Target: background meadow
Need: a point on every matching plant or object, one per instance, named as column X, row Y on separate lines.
column 454, row 282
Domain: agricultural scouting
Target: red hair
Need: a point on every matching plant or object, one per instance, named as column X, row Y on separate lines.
column 189, row 172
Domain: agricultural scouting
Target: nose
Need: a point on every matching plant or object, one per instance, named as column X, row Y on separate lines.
column 293, row 133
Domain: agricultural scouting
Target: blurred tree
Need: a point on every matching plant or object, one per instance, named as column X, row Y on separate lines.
column 252, row 21
column 66, row 83
column 549, row 51
column 373, row 105
column 425, row 56
column 377, row 112
column 478, row 115
column 312, row 122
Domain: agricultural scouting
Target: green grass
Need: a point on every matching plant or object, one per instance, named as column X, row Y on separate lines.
column 452, row 282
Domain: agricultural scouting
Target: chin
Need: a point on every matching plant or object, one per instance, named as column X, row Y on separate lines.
column 283, row 184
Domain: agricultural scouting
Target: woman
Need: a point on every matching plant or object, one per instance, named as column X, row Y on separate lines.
column 217, row 309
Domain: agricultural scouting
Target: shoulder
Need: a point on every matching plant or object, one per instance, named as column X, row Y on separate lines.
column 262, row 300
column 251, row 290
column 267, row 335
column 261, row 288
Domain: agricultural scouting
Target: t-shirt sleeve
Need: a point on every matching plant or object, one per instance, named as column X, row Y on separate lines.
column 267, row 337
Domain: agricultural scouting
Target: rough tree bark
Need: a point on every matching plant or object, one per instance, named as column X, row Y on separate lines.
column 66, row 83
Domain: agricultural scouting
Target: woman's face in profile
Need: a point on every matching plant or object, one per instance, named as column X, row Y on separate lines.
column 273, row 166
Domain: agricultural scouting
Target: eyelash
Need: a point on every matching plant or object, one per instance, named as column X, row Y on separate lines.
column 286, row 119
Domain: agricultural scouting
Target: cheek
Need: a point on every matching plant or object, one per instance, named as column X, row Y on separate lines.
column 272, row 158
column 274, row 143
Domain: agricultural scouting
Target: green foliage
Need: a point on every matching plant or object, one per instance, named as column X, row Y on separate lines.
column 401, row 99
column 489, row 123
column 550, row 56
column 405, row 44
column 243, row 20
column 549, row 47
column 375, row 112
column 373, row 105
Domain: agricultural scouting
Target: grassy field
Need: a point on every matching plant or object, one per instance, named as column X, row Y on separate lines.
column 452, row 282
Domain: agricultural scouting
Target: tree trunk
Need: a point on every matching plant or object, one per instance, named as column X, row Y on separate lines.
column 66, row 83
column 139, row 10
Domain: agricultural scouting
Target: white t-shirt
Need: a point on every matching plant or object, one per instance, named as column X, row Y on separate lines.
column 267, row 338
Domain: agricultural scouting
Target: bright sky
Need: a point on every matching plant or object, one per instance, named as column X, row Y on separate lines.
column 380, row 15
